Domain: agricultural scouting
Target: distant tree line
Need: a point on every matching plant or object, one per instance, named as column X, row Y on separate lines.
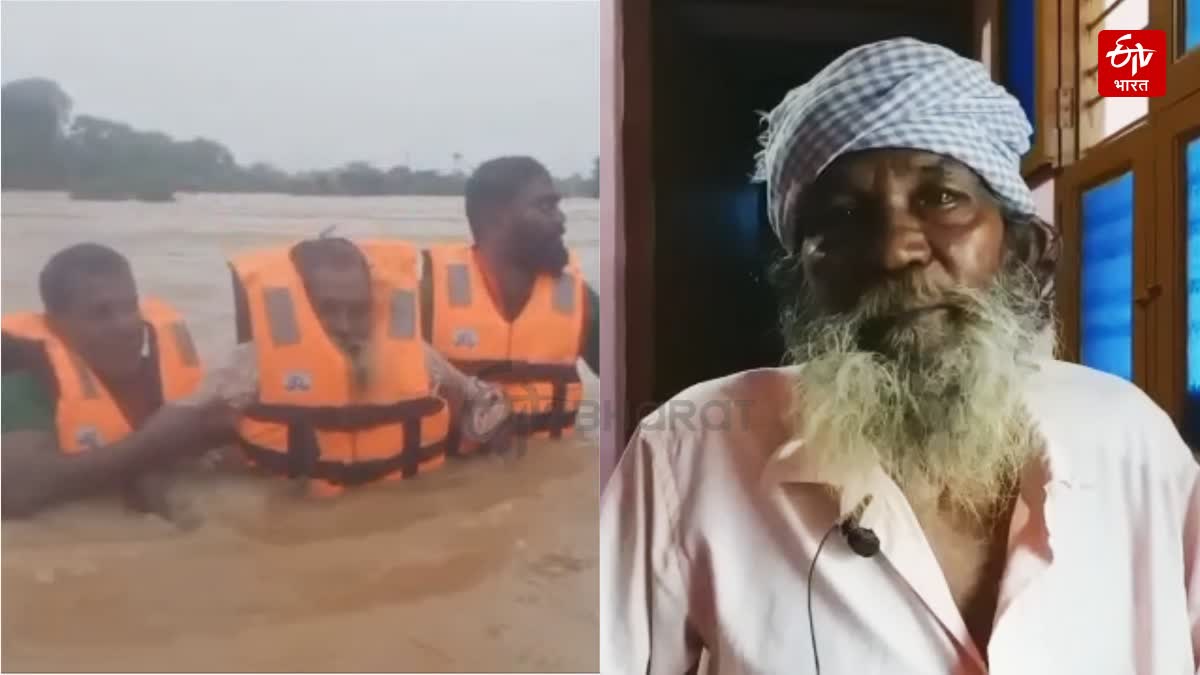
column 45, row 147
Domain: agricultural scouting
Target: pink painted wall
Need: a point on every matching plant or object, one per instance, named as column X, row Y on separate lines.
column 1043, row 200
column 612, row 240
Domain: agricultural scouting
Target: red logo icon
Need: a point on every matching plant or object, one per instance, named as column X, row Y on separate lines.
column 1132, row 63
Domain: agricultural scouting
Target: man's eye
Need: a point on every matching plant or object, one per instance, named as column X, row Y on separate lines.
column 941, row 198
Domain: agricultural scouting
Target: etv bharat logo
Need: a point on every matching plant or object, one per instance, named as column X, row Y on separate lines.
column 1131, row 63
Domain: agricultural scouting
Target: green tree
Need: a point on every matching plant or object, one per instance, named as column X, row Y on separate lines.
column 44, row 148
column 35, row 113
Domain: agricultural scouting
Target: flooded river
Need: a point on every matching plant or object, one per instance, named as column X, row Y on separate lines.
column 481, row 566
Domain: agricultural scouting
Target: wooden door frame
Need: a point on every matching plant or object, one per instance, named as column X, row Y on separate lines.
column 1133, row 151
column 627, row 374
column 612, row 243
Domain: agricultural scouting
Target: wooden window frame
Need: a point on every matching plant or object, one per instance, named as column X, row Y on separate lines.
column 1068, row 80
column 1081, row 46
column 1153, row 148
column 1183, row 71
column 1045, row 151
column 1130, row 150
column 1173, row 128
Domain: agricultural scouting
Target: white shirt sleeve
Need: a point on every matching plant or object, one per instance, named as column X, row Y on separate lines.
column 644, row 625
column 1191, row 561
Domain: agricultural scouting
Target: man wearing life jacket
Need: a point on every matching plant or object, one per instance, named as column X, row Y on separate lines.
column 348, row 392
column 513, row 308
column 101, row 390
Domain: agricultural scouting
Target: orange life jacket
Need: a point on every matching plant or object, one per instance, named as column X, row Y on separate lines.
column 86, row 415
column 533, row 358
column 309, row 420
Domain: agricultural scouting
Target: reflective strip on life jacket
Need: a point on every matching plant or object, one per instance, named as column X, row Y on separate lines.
column 86, row 415
column 533, row 358
column 311, row 420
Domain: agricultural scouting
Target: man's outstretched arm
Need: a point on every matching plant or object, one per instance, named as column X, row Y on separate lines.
column 480, row 409
column 36, row 473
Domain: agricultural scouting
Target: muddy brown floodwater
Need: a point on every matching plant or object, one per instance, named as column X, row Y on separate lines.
column 483, row 565
column 480, row 566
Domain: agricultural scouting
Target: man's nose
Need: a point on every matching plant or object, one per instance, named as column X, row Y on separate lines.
column 128, row 322
column 905, row 243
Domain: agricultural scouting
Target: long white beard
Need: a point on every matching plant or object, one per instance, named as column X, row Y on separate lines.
column 361, row 369
column 938, row 403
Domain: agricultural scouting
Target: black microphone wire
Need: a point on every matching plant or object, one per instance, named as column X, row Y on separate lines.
column 812, row 630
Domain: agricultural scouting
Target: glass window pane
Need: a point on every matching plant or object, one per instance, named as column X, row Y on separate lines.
column 1191, row 23
column 1106, row 276
column 1019, row 53
column 1192, row 412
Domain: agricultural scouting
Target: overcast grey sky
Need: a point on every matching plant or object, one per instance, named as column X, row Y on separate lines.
column 307, row 85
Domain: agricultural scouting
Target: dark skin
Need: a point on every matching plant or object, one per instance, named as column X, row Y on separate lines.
column 883, row 213
column 341, row 298
column 522, row 240
column 103, row 325
column 878, row 214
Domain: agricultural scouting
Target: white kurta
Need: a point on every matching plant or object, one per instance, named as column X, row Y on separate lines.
column 707, row 538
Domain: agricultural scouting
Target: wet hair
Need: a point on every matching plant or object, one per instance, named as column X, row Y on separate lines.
column 497, row 182
column 66, row 270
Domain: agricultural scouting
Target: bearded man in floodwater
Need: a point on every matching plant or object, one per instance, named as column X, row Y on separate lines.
column 926, row 489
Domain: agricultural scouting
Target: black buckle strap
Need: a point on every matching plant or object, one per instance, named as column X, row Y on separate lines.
column 554, row 421
column 303, row 458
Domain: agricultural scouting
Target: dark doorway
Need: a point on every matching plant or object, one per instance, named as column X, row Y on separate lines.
column 715, row 66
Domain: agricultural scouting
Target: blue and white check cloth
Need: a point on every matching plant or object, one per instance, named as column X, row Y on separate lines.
column 899, row 93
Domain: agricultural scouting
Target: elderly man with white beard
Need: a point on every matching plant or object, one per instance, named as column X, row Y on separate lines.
column 925, row 489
